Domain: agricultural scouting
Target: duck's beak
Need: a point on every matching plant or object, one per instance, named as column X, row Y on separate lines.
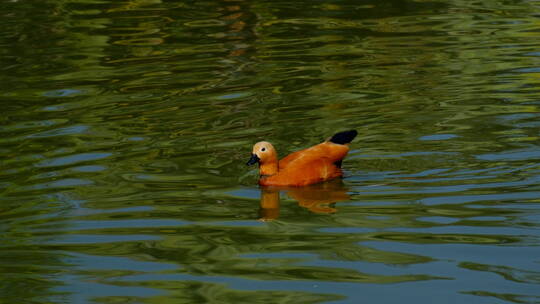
column 254, row 159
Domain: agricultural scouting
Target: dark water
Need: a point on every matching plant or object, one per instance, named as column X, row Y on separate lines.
column 126, row 126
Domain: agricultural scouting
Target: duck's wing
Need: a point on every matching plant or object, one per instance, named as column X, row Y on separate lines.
column 335, row 148
column 284, row 162
column 328, row 151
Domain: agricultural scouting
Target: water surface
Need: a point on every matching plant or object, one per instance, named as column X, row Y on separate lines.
column 126, row 127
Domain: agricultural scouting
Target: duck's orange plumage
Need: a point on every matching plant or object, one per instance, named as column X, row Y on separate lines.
column 305, row 167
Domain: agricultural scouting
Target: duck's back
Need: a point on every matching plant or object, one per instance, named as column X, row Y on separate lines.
column 331, row 151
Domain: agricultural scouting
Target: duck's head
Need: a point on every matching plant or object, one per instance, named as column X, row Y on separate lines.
column 263, row 152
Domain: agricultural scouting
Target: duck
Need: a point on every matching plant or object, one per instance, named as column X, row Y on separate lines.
column 309, row 166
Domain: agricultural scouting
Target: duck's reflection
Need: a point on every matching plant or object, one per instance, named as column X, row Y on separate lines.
column 318, row 198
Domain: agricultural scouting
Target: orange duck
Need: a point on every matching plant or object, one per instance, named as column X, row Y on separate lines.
column 305, row 167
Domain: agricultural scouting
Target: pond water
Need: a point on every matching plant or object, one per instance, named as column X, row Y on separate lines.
column 126, row 127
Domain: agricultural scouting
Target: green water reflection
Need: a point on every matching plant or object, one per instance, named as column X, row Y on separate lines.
column 126, row 126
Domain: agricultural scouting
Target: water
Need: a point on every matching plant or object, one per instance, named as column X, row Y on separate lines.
column 126, row 126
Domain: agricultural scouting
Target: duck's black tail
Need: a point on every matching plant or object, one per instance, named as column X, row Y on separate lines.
column 344, row 137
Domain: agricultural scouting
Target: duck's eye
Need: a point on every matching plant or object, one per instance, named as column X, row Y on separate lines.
column 263, row 149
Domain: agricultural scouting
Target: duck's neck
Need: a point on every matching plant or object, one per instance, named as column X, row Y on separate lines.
column 268, row 168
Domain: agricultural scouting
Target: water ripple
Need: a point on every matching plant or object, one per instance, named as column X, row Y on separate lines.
column 72, row 159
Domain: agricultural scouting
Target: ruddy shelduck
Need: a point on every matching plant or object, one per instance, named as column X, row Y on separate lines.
column 305, row 167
